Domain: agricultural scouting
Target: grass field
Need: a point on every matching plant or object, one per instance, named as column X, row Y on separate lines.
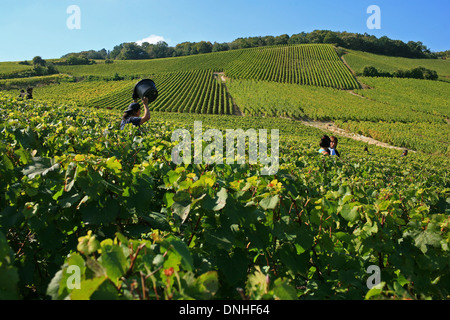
column 359, row 60
column 11, row 67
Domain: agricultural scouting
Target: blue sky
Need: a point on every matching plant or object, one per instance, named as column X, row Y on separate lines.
column 30, row 28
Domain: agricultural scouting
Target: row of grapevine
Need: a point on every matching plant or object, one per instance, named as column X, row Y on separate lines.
column 319, row 103
column 216, row 61
column 317, row 65
column 80, row 93
column 311, row 64
column 191, row 91
column 23, row 83
column 196, row 92
column 427, row 96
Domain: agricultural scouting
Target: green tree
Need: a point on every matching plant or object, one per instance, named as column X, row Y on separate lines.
column 116, row 51
column 370, row 72
column 220, row 47
column 132, row 51
column 204, row 47
column 430, row 74
column 39, row 61
column 283, row 39
column 161, row 50
column 298, row 38
column 332, row 37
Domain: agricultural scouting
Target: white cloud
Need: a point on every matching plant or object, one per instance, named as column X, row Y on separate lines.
column 153, row 39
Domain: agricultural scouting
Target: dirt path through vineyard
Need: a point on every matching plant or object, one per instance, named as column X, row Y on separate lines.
column 330, row 126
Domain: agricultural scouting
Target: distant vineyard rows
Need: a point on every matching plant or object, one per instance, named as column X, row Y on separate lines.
column 317, row 65
column 192, row 91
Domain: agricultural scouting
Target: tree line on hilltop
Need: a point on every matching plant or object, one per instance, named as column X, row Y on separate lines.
column 355, row 41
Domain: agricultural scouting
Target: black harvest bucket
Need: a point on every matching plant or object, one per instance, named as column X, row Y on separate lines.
column 145, row 88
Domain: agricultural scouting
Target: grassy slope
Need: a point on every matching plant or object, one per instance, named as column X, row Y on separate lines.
column 358, row 60
column 12, row 67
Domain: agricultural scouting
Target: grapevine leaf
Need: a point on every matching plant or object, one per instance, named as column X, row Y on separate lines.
column 222, row 196
column 9, row 277
column 114, row 261
column 217, row 203
column 207, row 284
column 7, row 163
column 54, row 286
column 114, row 165
column 375, row 291
column 168, row 199
column 282, row 290
column 233, row 267
column 428, row 237
column 349, row 213
column 157, row 220
column 88, row 287
column 269, row 202
column 182, row 204
column 257, row 284
column 40, row 166
column 181, row 210
column 182, row 250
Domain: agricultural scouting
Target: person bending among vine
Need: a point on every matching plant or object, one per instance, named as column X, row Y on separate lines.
column 325, row 145
column 133, row 114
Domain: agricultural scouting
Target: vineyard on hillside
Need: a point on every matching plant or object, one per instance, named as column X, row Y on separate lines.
column 189, row 84
column 78, row 193
column 81, row 93
column 189, row 91
column 311, row 64
column 265, row 81
column 423, row 96
column 317, row 65
column 408, row 113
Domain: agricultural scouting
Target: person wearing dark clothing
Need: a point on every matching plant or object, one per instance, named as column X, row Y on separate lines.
column 324, row 145
column 133, row 114
column 404, row 154
column 30, row 93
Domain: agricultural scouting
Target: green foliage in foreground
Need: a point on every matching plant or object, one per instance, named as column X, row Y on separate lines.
column 77, row 193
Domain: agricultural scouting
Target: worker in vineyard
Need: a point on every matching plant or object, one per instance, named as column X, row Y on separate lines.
column 325, row 145
column 29, row 93
column 333, row 145
column 133, row 114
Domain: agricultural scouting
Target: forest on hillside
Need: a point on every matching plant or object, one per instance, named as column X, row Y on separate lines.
column 355, row 41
